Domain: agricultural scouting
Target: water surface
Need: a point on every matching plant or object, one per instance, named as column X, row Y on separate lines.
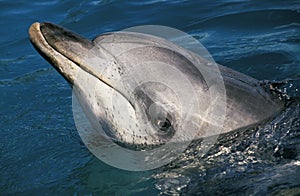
column 41, row 151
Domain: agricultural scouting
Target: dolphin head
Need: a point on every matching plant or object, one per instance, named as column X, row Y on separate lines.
column 145, row 91
column 133, row 84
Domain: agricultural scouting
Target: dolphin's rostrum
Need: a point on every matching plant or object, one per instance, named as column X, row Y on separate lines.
column 145, row 113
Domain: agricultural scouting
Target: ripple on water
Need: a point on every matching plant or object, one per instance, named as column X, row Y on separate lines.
column 266, row 156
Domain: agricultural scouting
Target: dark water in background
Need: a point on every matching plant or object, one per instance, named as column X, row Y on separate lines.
column 41, row 152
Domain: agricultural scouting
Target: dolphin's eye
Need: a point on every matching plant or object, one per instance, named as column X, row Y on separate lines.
column 161, row 119
column 163, row 124
column 156, row 112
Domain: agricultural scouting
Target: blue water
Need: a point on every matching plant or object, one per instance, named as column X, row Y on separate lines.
column 41, row 152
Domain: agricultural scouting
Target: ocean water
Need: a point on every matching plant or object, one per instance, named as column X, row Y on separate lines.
column 42, row 153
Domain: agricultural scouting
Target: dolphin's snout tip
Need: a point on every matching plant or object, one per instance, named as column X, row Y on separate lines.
column 35, row 24
column 33, row 28
column 34, row 32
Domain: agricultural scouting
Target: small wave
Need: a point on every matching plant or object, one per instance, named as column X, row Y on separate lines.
column 255, row 20
column 26, row 78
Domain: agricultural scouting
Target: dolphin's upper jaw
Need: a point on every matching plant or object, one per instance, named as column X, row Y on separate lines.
column 60, row 38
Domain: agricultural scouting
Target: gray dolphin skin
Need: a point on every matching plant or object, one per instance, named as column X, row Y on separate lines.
column 150, row 113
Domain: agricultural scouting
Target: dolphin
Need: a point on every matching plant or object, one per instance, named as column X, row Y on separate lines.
column 108, row 71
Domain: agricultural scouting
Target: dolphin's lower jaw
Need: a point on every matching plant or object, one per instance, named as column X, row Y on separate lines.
column 247, row 102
